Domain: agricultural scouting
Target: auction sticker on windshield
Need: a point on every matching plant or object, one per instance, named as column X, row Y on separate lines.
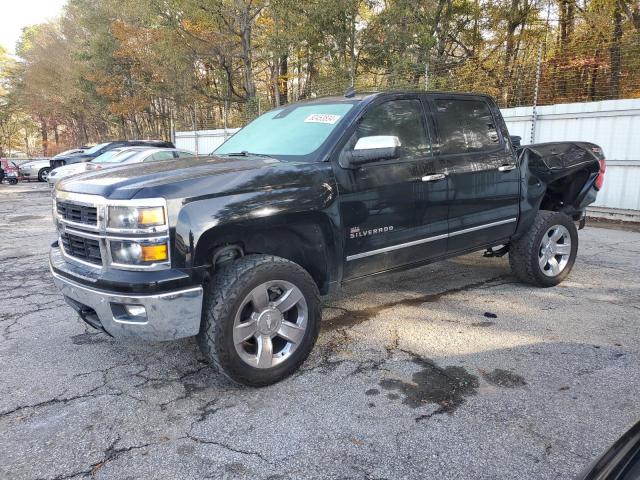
column 322, row 118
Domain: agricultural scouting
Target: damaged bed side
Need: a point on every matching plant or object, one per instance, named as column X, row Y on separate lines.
column 559, row 176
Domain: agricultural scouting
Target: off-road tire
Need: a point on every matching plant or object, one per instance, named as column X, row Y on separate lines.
column 223, row 294
column 523, row 252
column 43, row 173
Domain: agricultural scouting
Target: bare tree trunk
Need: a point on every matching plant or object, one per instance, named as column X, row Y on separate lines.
column 44, row 133
column 27, row 147
column 567, row 20
column 513, row 21
column 593, row 80
column 283, row 82
column 245, row 29
column 275, row 76
column 352, row 42
column 615, row 54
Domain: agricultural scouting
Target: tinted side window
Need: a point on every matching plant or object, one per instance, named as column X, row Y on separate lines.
column 401, row 118
column 465, row 126
column 185, row 154
column 160, row 156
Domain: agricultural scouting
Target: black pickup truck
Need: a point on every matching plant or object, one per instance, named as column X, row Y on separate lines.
column 237, row 247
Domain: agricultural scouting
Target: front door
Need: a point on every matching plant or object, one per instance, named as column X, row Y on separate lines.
column 482, row 176
column 392, row 214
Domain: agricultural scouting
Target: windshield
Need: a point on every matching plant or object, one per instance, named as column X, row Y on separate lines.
column 95, row 148
column 297, row 130
column 68, row 152
column 106, row 156
column 114, row 156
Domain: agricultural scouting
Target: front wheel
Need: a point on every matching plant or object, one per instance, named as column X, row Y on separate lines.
column 43, row 174
column 261, row 318
column 545, row 254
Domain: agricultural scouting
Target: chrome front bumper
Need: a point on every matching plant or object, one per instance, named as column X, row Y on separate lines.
column 168, row 316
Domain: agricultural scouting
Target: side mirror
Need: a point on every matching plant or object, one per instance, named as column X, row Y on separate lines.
column 374, row 148
column 516, row 140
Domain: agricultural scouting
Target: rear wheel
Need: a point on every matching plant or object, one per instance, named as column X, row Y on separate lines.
column 43, row 174
column 545, row 255
column 261, row 319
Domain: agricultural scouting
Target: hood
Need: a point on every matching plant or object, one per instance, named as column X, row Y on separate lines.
column 75, row 158
column 68, row 170
column 195, row 177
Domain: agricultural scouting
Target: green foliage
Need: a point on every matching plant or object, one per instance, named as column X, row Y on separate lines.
column 141, row 68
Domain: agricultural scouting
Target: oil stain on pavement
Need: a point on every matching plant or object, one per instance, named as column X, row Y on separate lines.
column 446, row 387
column 503, row 378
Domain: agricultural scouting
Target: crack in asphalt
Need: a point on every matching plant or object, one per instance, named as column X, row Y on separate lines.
column 193, row 401
column 109, row 455
column 205, row 441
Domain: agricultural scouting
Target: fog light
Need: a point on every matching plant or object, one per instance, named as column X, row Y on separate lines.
column 154, row 253
column 136, row 311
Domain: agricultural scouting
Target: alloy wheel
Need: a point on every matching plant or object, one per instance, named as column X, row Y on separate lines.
column 270, row 324
column 555, row 250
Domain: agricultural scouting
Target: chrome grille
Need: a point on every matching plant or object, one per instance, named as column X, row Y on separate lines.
column 85, row 249
column 77, row 213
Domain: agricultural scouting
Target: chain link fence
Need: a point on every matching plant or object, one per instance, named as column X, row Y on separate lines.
column 536, row 72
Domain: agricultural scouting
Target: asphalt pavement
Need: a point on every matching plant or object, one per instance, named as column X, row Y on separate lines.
column 450, row 371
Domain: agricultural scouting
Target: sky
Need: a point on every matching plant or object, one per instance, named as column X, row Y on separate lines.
column 16, row 14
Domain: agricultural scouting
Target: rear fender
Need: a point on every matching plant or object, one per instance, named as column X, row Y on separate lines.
column 556, row 176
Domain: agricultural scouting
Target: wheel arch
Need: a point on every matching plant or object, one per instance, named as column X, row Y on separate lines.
column 307, row 239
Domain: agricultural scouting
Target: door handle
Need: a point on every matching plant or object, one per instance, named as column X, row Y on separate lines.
column 434, row 178
column 506, row 168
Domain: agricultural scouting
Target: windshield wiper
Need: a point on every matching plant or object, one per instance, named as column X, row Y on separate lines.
column 245, row 153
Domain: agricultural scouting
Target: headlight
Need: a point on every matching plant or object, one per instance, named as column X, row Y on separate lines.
column 127, row 252
column 135, row 217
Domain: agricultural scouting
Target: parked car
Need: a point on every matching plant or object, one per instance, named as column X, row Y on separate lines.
column 620, row 462
column 101, row 148
column 73, row 151
column 9, row 172
column 236, row 248
column 39, row 168
column 36, row 169
column 117, row 157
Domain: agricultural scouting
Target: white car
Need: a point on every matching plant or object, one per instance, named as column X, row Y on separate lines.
column 116, row 158
column 35, row 169
column 39, row 168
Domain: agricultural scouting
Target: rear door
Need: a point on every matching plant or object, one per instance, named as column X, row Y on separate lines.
column 483, row 180
column 389, row 214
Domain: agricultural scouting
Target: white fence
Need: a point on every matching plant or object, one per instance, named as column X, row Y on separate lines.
column 203, row 142
column 612, row 124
